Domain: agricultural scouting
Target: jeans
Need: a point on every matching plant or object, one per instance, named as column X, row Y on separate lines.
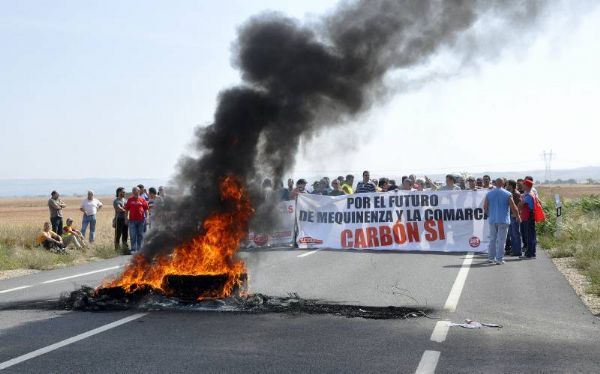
column 136, row 234
column 57, row 225
column 91, row 220
column 515, row 236
column 121, row 231
column 530, row 237
column 498, row 233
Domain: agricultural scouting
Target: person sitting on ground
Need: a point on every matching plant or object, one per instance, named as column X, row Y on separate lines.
column 72, row 236
column 337, row 189
column 50, row 240
column 450, row 184
column 347, row 185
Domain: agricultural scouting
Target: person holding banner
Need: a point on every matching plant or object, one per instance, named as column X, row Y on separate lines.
column 366, row 185
column 497, row 205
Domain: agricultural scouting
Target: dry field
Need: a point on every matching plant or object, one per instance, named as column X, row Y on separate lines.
column 568, row 191
column 22, row 219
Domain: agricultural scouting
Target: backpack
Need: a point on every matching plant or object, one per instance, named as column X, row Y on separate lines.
column 538, row 210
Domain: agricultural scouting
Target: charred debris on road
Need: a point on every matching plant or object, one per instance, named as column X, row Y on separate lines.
column 145, row 298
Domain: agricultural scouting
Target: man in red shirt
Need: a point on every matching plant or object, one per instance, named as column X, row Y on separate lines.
column 136, row 206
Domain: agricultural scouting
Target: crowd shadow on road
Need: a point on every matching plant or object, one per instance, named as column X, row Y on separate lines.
column 349, row 251
column 483, row 263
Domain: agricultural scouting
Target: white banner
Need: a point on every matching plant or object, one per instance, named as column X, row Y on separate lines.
column 449, row 221
column 283, row 234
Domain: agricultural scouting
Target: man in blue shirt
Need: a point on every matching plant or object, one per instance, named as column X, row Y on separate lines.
column 497, row 205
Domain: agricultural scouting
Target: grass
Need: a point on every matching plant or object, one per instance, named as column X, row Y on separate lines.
column 577, row 236
column 21, row 220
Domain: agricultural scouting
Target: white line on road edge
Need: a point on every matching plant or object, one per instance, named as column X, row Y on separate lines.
column 440, row 331
column 14, row 289
column 459, row 283
column 55, row 346
column 308, row 253
column 81, row 275
column 428, row 362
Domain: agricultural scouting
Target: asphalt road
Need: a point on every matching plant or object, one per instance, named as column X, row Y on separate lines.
column 546, row 328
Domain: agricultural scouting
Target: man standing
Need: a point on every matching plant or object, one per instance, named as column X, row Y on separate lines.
column 89, row 207
column 337, row 190
column 137, row 208
column 514, row 231
column 120, row 225
column 366, row 186
column 486, row 182
column 450, row 184
column 347, row 185
column 56, row 205
column 527, row 205
column 497, row 205
column 154, row 201
column 300, row 188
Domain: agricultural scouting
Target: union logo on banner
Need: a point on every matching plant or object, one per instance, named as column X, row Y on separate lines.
column 474, row 242
column 309, row 240
column 260, row 239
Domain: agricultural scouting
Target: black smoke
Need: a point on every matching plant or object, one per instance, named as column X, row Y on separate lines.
column 299, row 78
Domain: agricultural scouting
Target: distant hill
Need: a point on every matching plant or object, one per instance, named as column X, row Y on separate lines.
column 69, row 187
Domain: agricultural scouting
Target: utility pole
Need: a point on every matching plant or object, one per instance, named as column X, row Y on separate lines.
column 548, row 163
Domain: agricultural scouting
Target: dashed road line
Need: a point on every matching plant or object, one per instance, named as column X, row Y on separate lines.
column 440, row 332
column 81, row 275
column 459, row 283
column 63, row 343
column 61, row 279
column 428, row 362
column 15, row 289
column 308, row 253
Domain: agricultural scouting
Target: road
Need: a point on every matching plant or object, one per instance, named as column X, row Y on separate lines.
column 546, row 328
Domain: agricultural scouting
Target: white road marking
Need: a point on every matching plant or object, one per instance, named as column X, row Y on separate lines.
column 74, row 339
column 459, row 283
column 440, row 332
column 81, row 275
column 14, row 289
column 428, row 362
column 308, row 253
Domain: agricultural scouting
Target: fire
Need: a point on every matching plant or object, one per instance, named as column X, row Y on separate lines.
column 212, row 252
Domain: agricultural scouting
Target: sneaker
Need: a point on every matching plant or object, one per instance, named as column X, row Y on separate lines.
column 499, row 262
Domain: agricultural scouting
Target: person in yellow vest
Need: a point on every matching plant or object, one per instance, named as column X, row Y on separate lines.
column 347, row 185
column 50, row 240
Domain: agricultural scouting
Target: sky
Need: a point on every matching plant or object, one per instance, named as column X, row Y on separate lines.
column 115, row 89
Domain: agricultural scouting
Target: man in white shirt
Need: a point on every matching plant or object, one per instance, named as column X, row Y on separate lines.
column 89, row 207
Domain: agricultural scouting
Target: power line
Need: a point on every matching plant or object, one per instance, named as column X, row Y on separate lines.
column 548, row 162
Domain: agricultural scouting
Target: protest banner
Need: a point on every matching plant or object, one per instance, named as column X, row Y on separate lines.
column 449, row 221
column 282, row 234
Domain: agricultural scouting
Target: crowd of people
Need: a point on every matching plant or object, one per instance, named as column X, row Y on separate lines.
column 133, row 216
column 509, row 205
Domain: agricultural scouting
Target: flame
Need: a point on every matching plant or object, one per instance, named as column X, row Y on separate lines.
column 210, row 253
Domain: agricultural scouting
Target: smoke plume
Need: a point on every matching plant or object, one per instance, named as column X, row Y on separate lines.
column 298, row 78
